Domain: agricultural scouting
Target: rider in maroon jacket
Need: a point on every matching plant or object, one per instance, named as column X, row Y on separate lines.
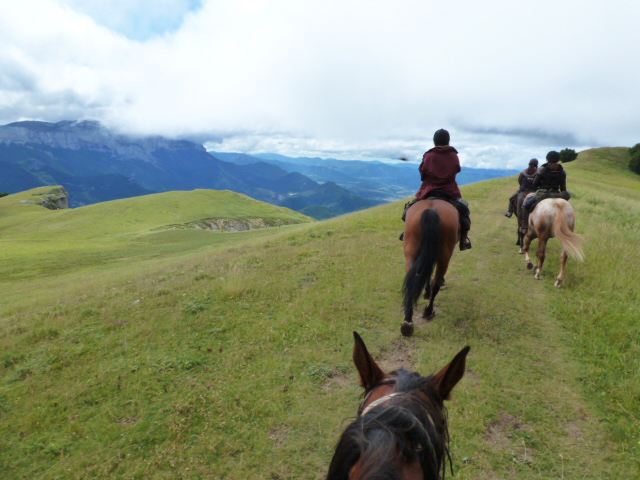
column 438, row 171
column 525, row 180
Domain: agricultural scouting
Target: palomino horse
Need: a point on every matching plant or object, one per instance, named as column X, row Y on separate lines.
column 553, row 217
column 431, row 232
column 401, row 430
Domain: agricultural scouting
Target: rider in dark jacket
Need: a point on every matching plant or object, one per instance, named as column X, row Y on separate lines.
column 551, row 180
column 525, row 180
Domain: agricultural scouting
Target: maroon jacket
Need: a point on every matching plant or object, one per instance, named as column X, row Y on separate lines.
column 439, row 168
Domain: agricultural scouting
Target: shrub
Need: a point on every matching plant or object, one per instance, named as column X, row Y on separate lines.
column 3, row 194
column 632, row 151
column 568, row 155
column 634, row 164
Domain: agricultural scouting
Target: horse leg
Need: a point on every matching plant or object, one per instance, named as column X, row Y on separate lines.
column 407, row 325
column 527, row 243
column 427, row 294
column 520, row 241
column 428, row 311
column 436, row 284
column 563, row 263
column 542, row 248
column 522, row 235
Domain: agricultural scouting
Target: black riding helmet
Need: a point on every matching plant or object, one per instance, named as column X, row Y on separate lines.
column 553, row 157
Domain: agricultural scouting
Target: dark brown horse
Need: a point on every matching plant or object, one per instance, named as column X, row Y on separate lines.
column 520, row 215
column 431, row 232
column 401, row 430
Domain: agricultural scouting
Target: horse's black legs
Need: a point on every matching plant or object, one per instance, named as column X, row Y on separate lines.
column 428, row 312
column 435, row 288
column 407, row 328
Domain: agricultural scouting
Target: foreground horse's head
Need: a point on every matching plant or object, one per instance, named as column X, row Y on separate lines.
column 401, row 430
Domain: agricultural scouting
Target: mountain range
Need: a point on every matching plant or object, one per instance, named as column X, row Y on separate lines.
column 96, row 164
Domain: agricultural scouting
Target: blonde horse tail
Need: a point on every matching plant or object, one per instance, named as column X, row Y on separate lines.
column 571, row 242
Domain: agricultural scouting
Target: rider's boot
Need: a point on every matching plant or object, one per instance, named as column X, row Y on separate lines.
column 465, row 243
column 509, row 213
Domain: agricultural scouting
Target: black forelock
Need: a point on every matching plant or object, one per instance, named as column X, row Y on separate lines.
column 410, row 424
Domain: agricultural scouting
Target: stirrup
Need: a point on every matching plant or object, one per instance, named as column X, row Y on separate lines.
column 508, row 214
column 465, row 244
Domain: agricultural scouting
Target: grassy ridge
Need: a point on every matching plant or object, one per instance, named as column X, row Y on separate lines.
column 233, row 360
column 36, row 242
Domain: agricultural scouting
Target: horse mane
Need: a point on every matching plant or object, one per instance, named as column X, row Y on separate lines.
column 410, row 427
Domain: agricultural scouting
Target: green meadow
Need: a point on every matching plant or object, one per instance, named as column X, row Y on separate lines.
column 130, row 349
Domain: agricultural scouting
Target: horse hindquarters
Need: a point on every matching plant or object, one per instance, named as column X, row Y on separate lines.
column 571, row 242
column 418, row 277
column 563, row 231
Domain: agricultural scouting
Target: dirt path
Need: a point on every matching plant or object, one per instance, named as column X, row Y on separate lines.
column 520, row 411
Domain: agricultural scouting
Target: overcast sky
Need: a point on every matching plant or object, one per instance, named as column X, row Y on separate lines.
column 343, row 79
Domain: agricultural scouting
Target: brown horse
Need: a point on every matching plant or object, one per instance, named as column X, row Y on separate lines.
column 401, row 430
column 553, row 217
column 431, row 232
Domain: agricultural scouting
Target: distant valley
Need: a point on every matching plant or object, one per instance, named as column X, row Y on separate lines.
column 95, row 165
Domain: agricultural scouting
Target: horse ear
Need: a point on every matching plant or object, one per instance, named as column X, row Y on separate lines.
column 370, row 373
column 449, row 376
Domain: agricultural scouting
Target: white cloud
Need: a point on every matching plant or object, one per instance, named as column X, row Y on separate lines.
column 511, row 80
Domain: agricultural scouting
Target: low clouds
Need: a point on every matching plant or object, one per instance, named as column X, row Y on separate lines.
column 326, row 78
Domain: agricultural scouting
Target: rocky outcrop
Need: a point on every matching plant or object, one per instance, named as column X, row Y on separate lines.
column 55, row 199
column 233, row 224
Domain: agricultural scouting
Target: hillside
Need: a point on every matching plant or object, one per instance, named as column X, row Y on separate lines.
column 125, row 230
column 195, row 354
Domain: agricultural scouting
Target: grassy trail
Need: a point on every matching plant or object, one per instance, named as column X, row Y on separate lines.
column 234, row 361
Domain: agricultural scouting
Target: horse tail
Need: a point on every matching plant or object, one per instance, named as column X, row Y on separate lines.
column 571, row 242
column 419, row 275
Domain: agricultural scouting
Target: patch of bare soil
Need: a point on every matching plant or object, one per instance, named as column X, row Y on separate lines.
column 129, row 421
column 400, row 353
column 338, row 380
column 279, row 434
column 501, row 436
column 575, row 430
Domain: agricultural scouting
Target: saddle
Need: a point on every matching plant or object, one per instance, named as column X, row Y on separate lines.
column 461, row 205
column 541, row 194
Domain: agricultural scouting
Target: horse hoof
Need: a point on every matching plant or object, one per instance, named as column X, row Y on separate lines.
column 558, row 284
column 407, row 328
column 529, row 266
column 521, row 252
